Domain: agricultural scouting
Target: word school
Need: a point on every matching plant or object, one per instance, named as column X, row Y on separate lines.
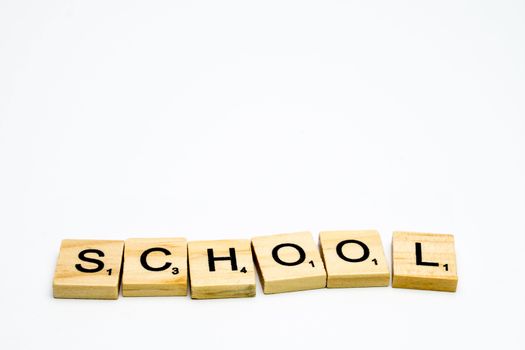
column 93, row 269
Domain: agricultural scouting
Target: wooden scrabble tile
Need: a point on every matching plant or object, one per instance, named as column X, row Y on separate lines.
column 221, row 269
column 289, row 262
column 424, row 261
column 354, row 259
column 88, row 269
column 155, row 267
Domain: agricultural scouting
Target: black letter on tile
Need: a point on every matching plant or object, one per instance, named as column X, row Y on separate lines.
column 275, row 254
column 82, row 256
column 145, row 264
column 212, row 259
column 339, row 250
column 419, row 257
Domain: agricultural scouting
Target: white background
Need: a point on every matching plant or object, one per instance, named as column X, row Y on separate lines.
column 218, row 119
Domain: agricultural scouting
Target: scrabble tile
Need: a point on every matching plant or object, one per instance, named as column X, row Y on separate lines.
column 354, row 259
column 289, row 262
column 424, row 261
column 88, row 269
column 155, row 267
column 221, row 269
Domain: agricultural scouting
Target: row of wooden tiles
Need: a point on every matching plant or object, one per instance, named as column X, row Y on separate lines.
column 225, row 268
